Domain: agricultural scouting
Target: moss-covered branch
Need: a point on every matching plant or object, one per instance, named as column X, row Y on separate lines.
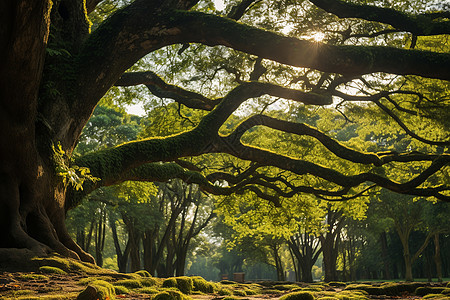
column 419, row 25
column 141, row 28
column 160, row 88
column 302, row 167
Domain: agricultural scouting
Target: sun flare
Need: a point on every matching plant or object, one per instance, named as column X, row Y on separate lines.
column 318, row 36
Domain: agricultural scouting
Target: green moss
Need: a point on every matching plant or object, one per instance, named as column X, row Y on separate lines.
column 231, row 298
column 328, row 298
column 129, row 283
column 171, row 295
column 170, row 282
column 185, row 284
column 371, row 290
column 251, row 292
column 33, row 277
column 337, row 283
column 52, row 270
column 101, row 283
column 298, row 296
column 65, row 296
column 87, row 280
column 22, row 293
column 70, row 265
column 270, row 291
column 147, row 290
column 99, row 289
column 285, row 287
column 422, row 291
column 312, row 289
column 148, row 281
column 352, row 295
column 202, row 285
column 436, row 296
column 239, row 293
column 163, row 296
column 227, row 282
column 143, row 273
column 121, row 290
column 225, row 292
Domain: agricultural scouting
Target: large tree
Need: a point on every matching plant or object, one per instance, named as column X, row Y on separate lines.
column 54, row 71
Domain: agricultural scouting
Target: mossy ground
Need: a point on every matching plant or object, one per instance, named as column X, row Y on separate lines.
column 76, row 277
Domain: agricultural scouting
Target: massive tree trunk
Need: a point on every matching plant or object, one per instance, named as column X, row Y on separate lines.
column 32, row 197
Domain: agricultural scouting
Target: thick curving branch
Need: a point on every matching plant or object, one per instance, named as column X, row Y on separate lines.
column 334, row 146
column 406, row 129
column 419, row 25
column 160, row 88
column 233, row 146
column 141, row 28
column 132, row 159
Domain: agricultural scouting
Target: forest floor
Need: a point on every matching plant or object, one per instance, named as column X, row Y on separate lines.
column 62, row 279
column 28, row 286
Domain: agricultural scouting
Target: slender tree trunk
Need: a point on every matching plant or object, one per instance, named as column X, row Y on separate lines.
column 81, row 238
column 408, row 268
column 437, row 256
column 294, row 263
column 100, row 237
column 135, row 257
column 122, row 257
column 384, row 253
